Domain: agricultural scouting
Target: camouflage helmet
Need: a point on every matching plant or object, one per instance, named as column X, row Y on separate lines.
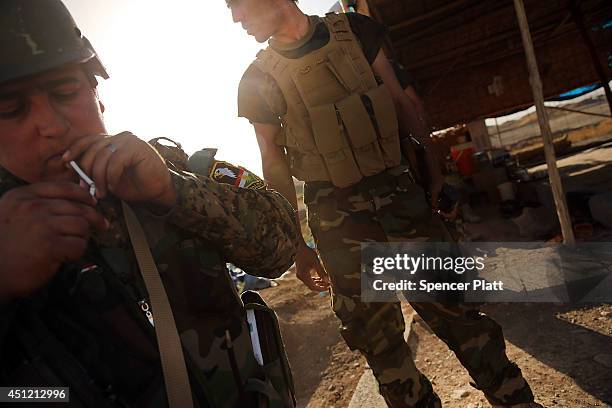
column 39, row 35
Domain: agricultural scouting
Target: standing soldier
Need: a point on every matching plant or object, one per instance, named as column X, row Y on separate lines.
column 74, row 309
column 321, row 116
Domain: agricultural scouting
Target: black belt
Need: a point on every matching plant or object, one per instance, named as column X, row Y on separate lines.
column 375, row 185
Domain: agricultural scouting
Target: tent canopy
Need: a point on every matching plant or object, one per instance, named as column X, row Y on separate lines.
column 468, row 58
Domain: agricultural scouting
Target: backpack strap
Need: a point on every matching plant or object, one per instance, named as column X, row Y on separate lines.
column 172, row 152
column 176, row 378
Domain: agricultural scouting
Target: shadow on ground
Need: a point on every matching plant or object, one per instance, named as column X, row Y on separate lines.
column 573, row 340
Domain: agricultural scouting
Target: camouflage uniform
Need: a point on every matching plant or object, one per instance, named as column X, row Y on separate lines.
column 320, row 92
column 390, row 207
column 86, row 329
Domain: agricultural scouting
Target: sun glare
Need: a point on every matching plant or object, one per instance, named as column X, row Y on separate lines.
column 175, row 68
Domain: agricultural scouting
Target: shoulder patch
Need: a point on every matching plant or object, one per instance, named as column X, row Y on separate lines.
column 227, row 173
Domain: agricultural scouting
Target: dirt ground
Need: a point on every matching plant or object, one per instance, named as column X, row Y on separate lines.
column 325, row 371
column 564, row 351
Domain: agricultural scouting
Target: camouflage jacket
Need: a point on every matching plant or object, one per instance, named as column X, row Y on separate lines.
column 87, row 329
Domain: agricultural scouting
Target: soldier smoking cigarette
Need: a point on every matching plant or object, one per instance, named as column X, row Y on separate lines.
column 84, row 177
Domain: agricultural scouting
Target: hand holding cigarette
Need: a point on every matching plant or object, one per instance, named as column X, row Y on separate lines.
column 84, row 177
column 123, row 165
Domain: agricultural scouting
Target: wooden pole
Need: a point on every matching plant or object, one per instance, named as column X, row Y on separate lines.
column 601, row 72
column 499, row 138
column 549, row 150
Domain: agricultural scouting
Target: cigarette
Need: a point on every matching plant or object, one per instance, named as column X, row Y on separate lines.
column 84, row 177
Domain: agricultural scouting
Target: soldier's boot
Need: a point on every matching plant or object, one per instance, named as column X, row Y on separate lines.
column 478, row 342
column 509, row 389
column 400, row 382
column 396, row 396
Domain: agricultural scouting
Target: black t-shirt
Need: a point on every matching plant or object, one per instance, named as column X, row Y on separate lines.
column 253, row 105
column 403, row 76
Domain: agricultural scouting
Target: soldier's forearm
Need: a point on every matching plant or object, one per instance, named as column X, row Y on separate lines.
column 433, row 165
column 253, row 228
column 278, row 177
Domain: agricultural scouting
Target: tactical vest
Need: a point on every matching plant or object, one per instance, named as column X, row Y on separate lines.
column 340, row 124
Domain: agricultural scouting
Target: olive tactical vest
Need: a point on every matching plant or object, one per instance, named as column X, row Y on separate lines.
column 340, row 123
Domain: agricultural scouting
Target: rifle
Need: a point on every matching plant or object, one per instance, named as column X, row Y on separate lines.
column 414, row 151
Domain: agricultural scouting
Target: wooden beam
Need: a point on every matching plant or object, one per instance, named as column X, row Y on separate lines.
column 490, row 29
column 487, row 41
column 579, row 111
column 481, row 49
column 446, row 23
column 549, row 150
column 407, row 23
column 474, row 59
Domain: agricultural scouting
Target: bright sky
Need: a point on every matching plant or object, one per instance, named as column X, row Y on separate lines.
column 175, row 68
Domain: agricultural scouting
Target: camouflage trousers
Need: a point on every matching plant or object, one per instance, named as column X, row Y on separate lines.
column 390, row 207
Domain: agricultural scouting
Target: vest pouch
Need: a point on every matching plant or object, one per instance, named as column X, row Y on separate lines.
column 360, row 63
column 332, row 145
column 307, row 167
column 342, row 68
column 317, row 84
column 362, row 135
column 386, row 119
column 300, row 138
column 271, row 350
column 304, row 160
